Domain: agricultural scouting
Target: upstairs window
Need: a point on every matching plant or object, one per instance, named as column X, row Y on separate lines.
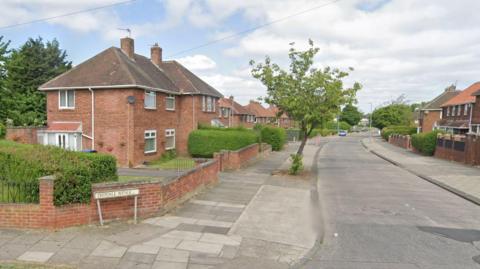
column 66, row 99
column 225, row 112
column 208, row 104
column 204, row 103
column 170, row 102
column 448, row 111
column 150, row 141
column 465, row 110
column 453, row 110
column 169, row 139
column 459, row 110
column 150, row 100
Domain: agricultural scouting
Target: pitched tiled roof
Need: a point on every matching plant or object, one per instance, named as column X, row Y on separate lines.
column 437, row 102
column 453, row 123
column 259, row 110
column 275, row 111
column 65, row 127
column 112, row 67
column 236, row 107
column 464, row 97
column 477, row 93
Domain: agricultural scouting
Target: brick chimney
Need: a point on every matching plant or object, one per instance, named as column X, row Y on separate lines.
column 156, row 54
column 127, row 46
column 231, row 97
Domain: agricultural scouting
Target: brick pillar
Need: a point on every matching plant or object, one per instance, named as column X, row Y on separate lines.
column 47, row 208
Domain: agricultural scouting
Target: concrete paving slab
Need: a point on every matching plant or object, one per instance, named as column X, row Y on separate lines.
column 69, row 256
column 169, row 265
column 200, row 266
column 139, row 258
column 108, row 249
column 12, row 251
column 230, row 240
column 144, row 248
column 278, row 214
column 163, row 242
column 98, row 262
column 200, row 247
column 215, row 223
column 47, row 246
column 35, row 256
column 229, row 252
column 173, row 255
column 184, row 235
column 190, row 227
column 215, row 230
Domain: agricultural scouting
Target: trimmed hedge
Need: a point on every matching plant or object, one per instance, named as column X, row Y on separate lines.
column 74, row 171
column 274, row 136
column 3, row 130
column 204, row 142
column 400, row 130
column 425, row 142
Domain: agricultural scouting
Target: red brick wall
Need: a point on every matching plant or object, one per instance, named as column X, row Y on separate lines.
column 403, row 141
column 428, row 120
column 471, row 155
column 232, row 160
column 476, row 111
column 26, row 135
column 154, row 197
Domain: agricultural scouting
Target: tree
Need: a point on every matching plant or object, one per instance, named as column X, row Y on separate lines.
column 395, row 114
column 28, row 67
column 308, row 95
column 3, row 73
column 351, row 115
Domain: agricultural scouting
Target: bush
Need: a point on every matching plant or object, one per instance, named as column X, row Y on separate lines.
column 274, row 136
column 425, row 142
column 400, row 130
column 74, row 171
column 3, row 130
column 297, row 164
column 341, row 125
column 203, row 143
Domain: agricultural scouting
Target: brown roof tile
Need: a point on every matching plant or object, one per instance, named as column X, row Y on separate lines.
column 438, row 101
column 259, row 110
column 236, row 107
column 464, row 97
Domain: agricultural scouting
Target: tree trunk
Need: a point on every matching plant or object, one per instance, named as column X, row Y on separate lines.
column 302, row 145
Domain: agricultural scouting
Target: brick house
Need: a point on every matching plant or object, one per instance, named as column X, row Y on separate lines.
column 128, row 105
column 283, row 120
column 232, row 114
column 475, row 125
column 262, row 115
column 431, row 113
column 457, row 112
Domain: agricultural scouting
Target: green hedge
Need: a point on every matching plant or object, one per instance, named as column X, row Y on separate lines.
column 204, row 142
column 74, row 171
column 425, row 142
column 400, row 129
column 341, row 125
column 274, row 136
column 3, row 130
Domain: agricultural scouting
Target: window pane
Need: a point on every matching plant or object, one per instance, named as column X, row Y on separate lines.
column 170, row 103
column 63, row 103
column 150, row 99
column 150, row 144
column 71, row 98
column 170, row 142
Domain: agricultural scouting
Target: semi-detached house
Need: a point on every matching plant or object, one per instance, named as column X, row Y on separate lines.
column 128, row 105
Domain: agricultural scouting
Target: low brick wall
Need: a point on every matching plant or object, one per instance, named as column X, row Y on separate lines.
column 403, row 141
column 464, row 149
column 233, row 160
column 155, row 197
column 26, row 135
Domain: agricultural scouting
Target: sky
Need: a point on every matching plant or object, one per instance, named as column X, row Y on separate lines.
column 411, row 47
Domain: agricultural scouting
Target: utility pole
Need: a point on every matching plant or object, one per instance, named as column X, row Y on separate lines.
column 370, row 121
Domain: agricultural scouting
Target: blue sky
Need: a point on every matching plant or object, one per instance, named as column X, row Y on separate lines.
column 410, row 47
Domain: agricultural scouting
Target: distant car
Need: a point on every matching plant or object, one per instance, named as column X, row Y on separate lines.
column 342, row 133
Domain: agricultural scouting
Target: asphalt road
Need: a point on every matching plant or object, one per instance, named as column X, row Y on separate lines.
column 377, row 215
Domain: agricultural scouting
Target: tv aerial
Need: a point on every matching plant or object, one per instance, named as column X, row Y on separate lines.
column 126, row 30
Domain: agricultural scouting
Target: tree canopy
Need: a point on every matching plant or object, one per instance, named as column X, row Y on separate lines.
column 28, row 67
column 307, row 94
column 394, row 114
column 351, row 115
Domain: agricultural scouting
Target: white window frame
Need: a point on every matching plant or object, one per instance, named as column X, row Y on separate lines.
column 204, row 103
column 152, row 134
column 465, row 111
column 66, row 99
column 170, row 133
column 209, row 104
column 152, row 94
column 459, row 110
column 454, row 111
column 170, row 97
column 448, row 111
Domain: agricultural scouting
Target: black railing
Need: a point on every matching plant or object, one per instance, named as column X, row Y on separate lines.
column 19, row 192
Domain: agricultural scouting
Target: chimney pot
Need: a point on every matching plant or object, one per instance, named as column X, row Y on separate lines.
column 127, row 46
column 156, row 54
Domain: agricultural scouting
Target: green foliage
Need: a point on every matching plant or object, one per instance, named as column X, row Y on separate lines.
column 205, row 142
column 425, row 142
column 400, row 130
column 307, row 94
column 331, row 125
column 351, row 115
column 3, row 130
column 293, row 134
column 274, row 136
column 74, row 171
column 394, row 114
column 297, row 164
column 168, row 155
column 26, row 68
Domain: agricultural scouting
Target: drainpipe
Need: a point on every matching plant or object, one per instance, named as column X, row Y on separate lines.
column 471, row 113
column 93, row 117
column 193, row 112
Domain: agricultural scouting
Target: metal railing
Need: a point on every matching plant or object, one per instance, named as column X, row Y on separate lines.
column 19, row 192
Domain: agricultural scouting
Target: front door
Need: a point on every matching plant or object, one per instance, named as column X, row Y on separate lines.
column 62, row 141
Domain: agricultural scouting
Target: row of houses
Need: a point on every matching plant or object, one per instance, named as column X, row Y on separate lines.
column 454, row 111
column 136, row 108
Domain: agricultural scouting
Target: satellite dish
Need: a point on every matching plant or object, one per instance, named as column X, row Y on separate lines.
column 131, row 99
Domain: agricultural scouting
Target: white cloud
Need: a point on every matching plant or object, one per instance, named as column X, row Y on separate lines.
column 198, row 62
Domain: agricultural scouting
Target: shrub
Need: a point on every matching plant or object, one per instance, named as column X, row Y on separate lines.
column 3, row 130
column 400, row 130
column 341, row 125
column 297, row 164
column 273, row 136
column 205, row 142
column 74, row 171
column 425, row 142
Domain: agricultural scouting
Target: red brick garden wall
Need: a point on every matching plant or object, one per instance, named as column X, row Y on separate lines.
column 450, row 151
column 154, row 197
column 232, row 160
column 403, row 141
column 26, row 135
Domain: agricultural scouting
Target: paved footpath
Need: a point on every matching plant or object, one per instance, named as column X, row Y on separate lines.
column 458, row 178
column 251, row 219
